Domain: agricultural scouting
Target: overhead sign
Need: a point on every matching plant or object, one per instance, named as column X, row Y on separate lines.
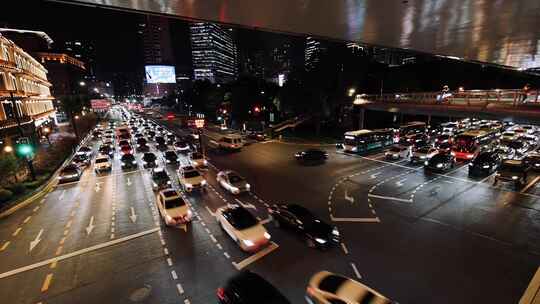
column 160, row 74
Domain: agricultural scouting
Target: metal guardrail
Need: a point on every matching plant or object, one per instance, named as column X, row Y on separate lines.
column 464, row 98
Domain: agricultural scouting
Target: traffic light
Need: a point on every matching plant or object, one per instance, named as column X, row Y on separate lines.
column 23, row 148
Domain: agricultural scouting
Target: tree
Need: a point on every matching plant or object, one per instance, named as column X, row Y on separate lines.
column 9, row 165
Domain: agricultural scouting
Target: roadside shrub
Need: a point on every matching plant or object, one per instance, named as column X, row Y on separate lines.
column 5, row 195
column 17, row 189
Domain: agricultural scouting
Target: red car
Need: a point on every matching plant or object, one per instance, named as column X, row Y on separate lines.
column 126, row 149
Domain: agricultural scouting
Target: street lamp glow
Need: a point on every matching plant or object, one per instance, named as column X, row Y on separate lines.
column 352, row 91
column 46, row 130
column 82, row 83
column 8, row 149
column 76, row 116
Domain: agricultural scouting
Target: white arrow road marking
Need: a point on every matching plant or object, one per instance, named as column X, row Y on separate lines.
column 36, row 241
column 90, row 226
column 98, row 186
column 250, row 206
column 374, row 175
column 128, row 181
column 133, row 216
column 349, row 198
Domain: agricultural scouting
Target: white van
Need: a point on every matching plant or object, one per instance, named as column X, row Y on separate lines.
column 231, row 142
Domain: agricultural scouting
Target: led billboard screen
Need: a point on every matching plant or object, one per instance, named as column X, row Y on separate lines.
column 160, row 74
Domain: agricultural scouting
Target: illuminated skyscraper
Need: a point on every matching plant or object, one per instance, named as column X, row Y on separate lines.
column 314, row 49
column 213, row 52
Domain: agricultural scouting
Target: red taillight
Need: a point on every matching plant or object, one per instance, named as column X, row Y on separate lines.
column 220, row 293
column 310, row 291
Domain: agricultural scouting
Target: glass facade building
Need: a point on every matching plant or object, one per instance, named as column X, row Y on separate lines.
column 213, row 52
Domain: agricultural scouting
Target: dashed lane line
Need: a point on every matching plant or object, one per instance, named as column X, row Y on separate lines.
column 356, row 272
column 244, row 263
column 345, row 250
column 47, row 282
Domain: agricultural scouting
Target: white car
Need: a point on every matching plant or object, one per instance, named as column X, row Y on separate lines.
column 173, row 208
column 423, row 153
column 509, row 135
column 102, row 163
column 325, row 288
column 232, row 182
column 242, row 227
column 190, row 179
column 198, row 160
column 231, row 142
column 397, row 152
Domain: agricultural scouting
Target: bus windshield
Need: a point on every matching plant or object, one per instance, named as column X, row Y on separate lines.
column 465, row 143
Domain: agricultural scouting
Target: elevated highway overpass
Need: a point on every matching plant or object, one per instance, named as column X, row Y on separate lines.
column 488, row 104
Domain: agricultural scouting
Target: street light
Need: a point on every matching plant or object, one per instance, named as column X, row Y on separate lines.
column 82, row 83
column 8, row 149
column 352, row 91
column 76, row 116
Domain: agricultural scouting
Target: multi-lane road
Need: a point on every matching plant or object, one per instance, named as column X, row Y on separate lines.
column 415, row 237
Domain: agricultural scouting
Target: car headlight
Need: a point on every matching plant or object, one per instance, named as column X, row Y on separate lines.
column 123, row 163
column 235, row 189
column 485, row 166
column 514, row 177
column 267, row 235
column 203, row 182
column 154, row 184
column 426, row 163
column 248, row 243
column 168, row 161
column 320, row 241
column 188, row 185
column 248, row 186
column 439, row 165
column 335, row 232
column 144, row 163
column 168, row 182
column 205, row 162
column 134, row 162
column 422, row 157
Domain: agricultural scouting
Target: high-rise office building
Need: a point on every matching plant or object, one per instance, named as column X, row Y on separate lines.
column 80, row 50
column 213, row 52
column 313, row 51
column 156, row 40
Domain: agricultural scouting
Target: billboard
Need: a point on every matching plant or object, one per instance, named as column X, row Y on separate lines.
column 100, row 105
column 160, row 74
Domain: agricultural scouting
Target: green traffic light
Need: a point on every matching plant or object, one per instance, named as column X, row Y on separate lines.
column 25, row 149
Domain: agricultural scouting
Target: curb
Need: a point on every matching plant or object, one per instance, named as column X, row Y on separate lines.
column 43, row 189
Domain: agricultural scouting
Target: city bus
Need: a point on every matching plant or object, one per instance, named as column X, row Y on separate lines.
column 410, row 128
column 467, row 144
column 362, row 141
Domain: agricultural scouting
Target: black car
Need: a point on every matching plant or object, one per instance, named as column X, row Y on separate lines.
column 128, row 161
column 70, row 173
column 81, row 160
column 96, row 135
column 170, row 157
column 160, row 140
column 311, row 156
column 316, row 232
column 143, row 148
column 442, row 161
column 521, row 147
column 533, row 160
column 247, row 287
column 513, row 171
column 505, row 152
column 138, row 135
column 141, row 141
column 162, row 147
column 485, row 163
column 160, row 179
column 107, row 150
column 151, row 135
column 149, row 160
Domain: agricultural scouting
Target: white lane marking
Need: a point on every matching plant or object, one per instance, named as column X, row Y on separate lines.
column 219, row 246
column 68, row 224
column 180, row 289
column 36, row 241
column 374, row 175
column 356, row 271
column 27, row 219
column 345, row 250
column 128, row 181
column 210, row 211
column 17, row 231
column 390, row 198
column 532, row 293
column 90, row 226
column 213, row 238
column 6, row 244
column 76, row 253
column 166, row 251
column 36, row 209
column 226, row 255
column 355, row 219
column 174, row 275
column 239, row 266
column 169, row 261
column 47, row 282
column 529, row 185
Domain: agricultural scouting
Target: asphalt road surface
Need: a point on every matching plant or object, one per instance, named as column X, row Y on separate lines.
column 415, row 237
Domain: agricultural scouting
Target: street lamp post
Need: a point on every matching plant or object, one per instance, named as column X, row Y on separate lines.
column 75, row 118
column 199, row 123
